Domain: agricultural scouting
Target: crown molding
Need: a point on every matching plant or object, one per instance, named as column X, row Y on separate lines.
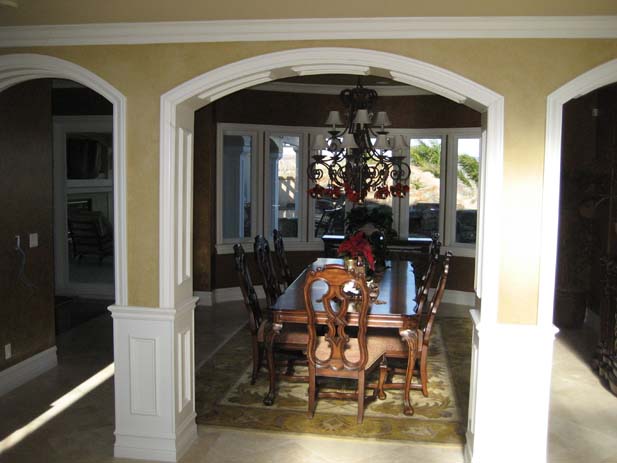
column 478, row 27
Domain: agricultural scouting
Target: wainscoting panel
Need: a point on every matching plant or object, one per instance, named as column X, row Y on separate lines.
column 154, row 385
column 143, row 378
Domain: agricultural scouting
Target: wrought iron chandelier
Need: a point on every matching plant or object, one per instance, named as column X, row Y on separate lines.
column 359, row 157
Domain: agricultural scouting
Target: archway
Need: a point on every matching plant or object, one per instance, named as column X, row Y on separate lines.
column 591, row 80
column 176, row 157
column 178, row 106
column 16, row 68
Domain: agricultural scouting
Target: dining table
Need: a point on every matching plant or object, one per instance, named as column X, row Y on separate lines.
column 393, row 307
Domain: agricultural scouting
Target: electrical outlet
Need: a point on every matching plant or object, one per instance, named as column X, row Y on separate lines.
column 7, row 351
column 34, row 240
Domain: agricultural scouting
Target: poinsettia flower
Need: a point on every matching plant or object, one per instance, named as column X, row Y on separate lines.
column 357, row 245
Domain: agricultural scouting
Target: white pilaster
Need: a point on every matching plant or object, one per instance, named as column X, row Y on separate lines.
column 154, row 381
column 509, row 393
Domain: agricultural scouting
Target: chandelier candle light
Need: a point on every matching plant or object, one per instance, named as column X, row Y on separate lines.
column 354, row 164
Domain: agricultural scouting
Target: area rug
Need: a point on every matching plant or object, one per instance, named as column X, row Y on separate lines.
column 225, row 396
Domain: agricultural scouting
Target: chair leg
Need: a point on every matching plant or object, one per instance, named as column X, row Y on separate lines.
column 257, row 356
column 361, row 391
column 312, row 392
column 383, row 375
column 423, row 372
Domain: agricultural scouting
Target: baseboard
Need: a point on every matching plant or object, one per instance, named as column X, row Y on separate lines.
column 460, row 298
column 27, row 370
column 205, row 297
column 163, row 448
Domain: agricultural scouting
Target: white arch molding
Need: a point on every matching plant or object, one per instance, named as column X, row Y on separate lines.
column 17, row 68
column 593, row 79
column 181, row 102
column 177, row 115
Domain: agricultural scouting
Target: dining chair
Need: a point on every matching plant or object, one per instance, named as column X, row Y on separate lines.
column 283, row 272
column 292, row 338
column 338, row 354
column 263, row 257
column 397, row 348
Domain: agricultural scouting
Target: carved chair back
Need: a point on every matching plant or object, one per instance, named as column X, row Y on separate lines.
column 436, row 300
column 248, row 291
column 280, row 259
column 265, row 265
column 337, row 300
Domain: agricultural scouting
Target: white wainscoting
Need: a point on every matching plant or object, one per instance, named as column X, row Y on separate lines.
column 154, row 381
column 509, row 392
column 28, row 369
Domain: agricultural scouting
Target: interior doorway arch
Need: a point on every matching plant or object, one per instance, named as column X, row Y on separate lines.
column 17, row 68
column 177, row 112
column 593, row 79
column 178, row 108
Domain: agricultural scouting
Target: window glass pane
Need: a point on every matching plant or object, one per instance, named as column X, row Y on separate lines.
column 371, row 201
column 424, row 186
column 284, row 175
column 236, row 191
column 468, row 157
column 329, row 218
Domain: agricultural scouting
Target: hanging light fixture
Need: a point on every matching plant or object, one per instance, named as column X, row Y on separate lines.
column 358, row 157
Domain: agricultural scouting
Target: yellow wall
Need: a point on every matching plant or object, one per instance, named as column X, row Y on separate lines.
column 523, row 71
column 92, row 11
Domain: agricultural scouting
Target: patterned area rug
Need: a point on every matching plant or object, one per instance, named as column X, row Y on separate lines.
column 225, row 396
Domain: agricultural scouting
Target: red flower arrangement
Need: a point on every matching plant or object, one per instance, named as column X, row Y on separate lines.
column 399, row 190
column 357, row 245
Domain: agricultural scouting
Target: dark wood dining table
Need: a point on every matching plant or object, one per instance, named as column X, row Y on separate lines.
column 394, row 307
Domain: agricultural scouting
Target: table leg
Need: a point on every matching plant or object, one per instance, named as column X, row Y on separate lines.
column 271, row 334
column 411, row 338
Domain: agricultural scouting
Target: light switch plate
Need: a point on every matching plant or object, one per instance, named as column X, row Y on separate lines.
column 34, row 240
column 7, row 351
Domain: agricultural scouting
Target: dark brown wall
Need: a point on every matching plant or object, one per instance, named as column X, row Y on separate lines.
column 26, row 202
column 79, row 102
column 589, row 150
column 204, row 194
column 275, row 108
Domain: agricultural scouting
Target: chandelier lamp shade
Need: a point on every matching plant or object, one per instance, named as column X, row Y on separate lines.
column 358, row 156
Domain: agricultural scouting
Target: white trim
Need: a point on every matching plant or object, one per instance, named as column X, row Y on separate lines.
column 16, row 68
column 27, row 370
column 205, row 298
column 595, row 78
column 498, row 395
column 480, row 27
column 190, row 94
column 466, row 298
column 154, row 363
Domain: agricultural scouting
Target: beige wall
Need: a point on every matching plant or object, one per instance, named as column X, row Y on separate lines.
column 80, row 11
column 523, row 71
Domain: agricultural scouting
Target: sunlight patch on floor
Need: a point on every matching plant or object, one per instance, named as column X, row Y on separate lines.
column 58, row 407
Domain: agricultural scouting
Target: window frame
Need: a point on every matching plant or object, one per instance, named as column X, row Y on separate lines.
column 256, row 188
column 301, row 187
column 306, row 240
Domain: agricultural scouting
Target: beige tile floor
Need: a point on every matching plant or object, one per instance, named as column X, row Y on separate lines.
column 583, row 424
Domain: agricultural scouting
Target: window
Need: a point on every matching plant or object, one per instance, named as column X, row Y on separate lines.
column 262, row 186
column 238, row 173
column 283, row 176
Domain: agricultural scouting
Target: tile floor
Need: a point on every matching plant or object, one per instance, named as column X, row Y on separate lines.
column 583, row 423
